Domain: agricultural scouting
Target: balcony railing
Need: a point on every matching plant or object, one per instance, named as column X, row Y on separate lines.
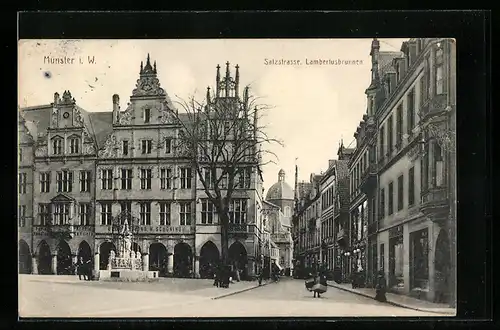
column 435, row 203
column 433, row 106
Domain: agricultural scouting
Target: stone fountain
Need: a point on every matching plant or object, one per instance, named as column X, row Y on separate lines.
column 127, row 265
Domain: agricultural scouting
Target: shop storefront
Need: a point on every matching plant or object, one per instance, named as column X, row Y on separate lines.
column 396, row 260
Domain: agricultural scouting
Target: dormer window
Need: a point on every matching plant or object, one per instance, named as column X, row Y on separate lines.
column 74, row 145
column 147, row 115
column 398, row 72
column 57, row 146
column 388, row 82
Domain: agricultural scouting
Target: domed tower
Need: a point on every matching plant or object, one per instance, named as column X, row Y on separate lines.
column 281, row 194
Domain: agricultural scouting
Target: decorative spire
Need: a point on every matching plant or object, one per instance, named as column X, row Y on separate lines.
column 228, row 77
column 148, row 69
column 154, row 67
column 237, row 80
column 217, row 81
column 208, row 95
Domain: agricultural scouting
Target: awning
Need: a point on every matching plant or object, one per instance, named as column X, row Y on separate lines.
column 279, row 267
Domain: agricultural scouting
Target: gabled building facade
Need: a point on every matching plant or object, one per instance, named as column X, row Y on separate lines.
column 403, row 171
column 94, row 170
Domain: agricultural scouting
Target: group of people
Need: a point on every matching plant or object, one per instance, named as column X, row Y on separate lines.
column 224, row 275
column 84, row 268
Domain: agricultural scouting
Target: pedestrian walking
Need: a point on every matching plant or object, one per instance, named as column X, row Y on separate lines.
column 320, row 283
column 217, row 276
column 80, row 269
column 381, row 287
column 88, row 270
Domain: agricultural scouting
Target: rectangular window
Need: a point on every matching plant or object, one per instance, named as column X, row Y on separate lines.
column 126, row 178
column 185, row 178
column 146, row 146
column 85, row 177
column 22, row 183
column 166, row 178
column 439, row 72
column 244, row 178
column 64, row 181
column 399, row 126
column 208, row 213
column 390, row 133
column 57, row 146
column 145, row 213
column 125, row 148
column 411, row 112
column 428, row 91
column 168, row 145
column 147, row 115
column 224, row 182
column 185, row 213
column 146, row 175
column 61, row 214
column 382, row 142
column 20, row 155
column 238, row 211
column 22, row 215
column 425, row 167
column 44, row 211
column 391, row 198
column 74, row 145
column 107, row 179
column 400, row 192
column 164, row 213
column 422, row 93
column 84, row 214
column 207, row 177
column 411, row 186
column 106, row 214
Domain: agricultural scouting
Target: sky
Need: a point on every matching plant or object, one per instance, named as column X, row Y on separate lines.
column 313, row 107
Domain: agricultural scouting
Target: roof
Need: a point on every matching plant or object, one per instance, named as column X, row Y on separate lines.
column 280, row 190
column 385, row 62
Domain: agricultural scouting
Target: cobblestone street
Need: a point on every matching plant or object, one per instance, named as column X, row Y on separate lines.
column 66, row 296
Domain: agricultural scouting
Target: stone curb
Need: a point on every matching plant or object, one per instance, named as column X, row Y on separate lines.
column 240, row 291
column 391, row 302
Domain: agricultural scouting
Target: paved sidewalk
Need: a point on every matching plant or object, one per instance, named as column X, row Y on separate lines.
column 399, row 300
column 66, row 296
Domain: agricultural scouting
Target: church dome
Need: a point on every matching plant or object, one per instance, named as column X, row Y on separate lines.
column 280, row 190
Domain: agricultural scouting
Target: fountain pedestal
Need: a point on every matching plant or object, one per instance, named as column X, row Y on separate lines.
column 127, row 266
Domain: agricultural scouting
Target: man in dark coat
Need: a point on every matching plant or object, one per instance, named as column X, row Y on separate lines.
column 80, row 269
column 381, row 287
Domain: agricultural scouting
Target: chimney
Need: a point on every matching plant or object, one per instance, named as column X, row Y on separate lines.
column 56, row 98
column 116, row 108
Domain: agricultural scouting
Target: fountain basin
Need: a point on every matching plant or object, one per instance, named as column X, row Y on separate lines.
column 128, row 275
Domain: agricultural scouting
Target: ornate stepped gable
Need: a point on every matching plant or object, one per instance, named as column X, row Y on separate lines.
column 148, row 84
column 42, row 118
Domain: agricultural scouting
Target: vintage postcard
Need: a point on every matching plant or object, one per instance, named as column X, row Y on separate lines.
column 237, row 178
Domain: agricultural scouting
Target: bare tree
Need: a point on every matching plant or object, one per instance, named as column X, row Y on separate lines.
column 226, row 143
